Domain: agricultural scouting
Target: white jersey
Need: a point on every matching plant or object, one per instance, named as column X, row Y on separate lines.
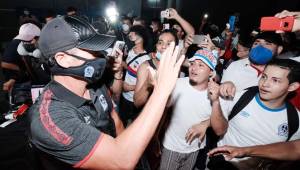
column 242, row 74
column 190, row 106
column 131, row 73
column 256, row 124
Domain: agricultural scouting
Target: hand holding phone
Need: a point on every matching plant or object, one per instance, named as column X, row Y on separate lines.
column 166, row 26
column 118, row 45
column 165, row 13
column 198, row 39
column 277, row 24
column 232, row 20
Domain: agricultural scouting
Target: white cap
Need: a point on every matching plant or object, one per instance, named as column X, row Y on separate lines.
column 28, row 31
column 207, row 57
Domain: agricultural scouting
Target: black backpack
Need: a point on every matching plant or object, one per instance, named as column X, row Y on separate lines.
column 292, row 114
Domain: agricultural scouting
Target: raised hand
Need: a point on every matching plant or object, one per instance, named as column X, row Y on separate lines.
column 213, row 90
column 117, row 63
column 208, row 44
column 173, row 14
column 285, row 13
column 168, row 70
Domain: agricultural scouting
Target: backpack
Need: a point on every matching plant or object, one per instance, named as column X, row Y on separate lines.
column 292, row 114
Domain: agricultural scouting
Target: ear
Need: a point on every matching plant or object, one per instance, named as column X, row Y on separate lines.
column 62, row 60
column 279, row 49
column 293, row 86
column 212, row 74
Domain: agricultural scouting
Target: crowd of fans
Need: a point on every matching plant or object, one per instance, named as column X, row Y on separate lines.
column 164, row 101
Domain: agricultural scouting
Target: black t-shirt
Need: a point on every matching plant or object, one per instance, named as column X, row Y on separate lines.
column 67, row 128
column 11, row 55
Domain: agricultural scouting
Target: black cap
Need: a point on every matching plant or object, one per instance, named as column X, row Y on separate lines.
column 64, row 33
column 270, row 36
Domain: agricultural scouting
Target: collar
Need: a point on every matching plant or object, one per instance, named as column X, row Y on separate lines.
column 66, row 95
column 257, row 98
column 259, row 72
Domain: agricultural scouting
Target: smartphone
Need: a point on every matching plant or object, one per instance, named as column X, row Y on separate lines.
column 198, row 39
column 274, row 23
column 118, row 45
column 166, row 26
column 165, row 13
column 232, row 23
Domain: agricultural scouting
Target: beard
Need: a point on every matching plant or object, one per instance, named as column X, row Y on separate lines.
column 192, row 82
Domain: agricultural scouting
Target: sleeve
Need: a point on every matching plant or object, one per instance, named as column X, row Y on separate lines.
column 59, row 132
column 10, row 54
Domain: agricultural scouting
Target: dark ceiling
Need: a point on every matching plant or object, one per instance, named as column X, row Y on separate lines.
column 219, row 10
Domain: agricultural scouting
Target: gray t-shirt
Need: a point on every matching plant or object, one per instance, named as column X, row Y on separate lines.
column 67, row 127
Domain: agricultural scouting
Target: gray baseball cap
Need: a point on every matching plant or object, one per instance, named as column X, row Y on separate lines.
column 67, row 32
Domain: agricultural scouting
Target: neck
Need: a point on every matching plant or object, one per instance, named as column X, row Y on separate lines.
column 138, row 48
column 199, row 86
column 156, row 62
column 274, row 103
column 75, row 85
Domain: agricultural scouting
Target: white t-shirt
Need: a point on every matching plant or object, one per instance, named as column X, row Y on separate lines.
column 242, row 74
column 131, row 73
column 256, row 124
column 190, row 106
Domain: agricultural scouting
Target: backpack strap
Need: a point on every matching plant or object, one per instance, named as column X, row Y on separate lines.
column 293, row 120
column 136, row 57
column 243, row 101
column 152, row 64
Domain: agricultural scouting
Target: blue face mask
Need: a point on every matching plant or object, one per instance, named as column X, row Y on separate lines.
column 260, row 55
column 158, row 55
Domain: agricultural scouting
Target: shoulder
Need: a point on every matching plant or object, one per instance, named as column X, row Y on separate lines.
column 11, row 47
column 144, row 65
column 240, row 62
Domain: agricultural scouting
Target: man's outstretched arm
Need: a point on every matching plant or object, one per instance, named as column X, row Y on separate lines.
column 124, row 151
column 279, row 151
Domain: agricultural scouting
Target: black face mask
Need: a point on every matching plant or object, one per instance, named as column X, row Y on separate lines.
column 91, row 71
column 29, row 47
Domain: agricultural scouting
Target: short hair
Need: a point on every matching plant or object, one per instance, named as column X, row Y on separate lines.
column 127, row 18
column 50, row 13
column 270, row 36
column 139, row 19
column 288, row 64
column 71, row 8
column 172, row 32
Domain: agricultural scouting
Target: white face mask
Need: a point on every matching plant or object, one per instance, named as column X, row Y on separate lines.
column 125, row 27
column 23, row 52
column 158, row 55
